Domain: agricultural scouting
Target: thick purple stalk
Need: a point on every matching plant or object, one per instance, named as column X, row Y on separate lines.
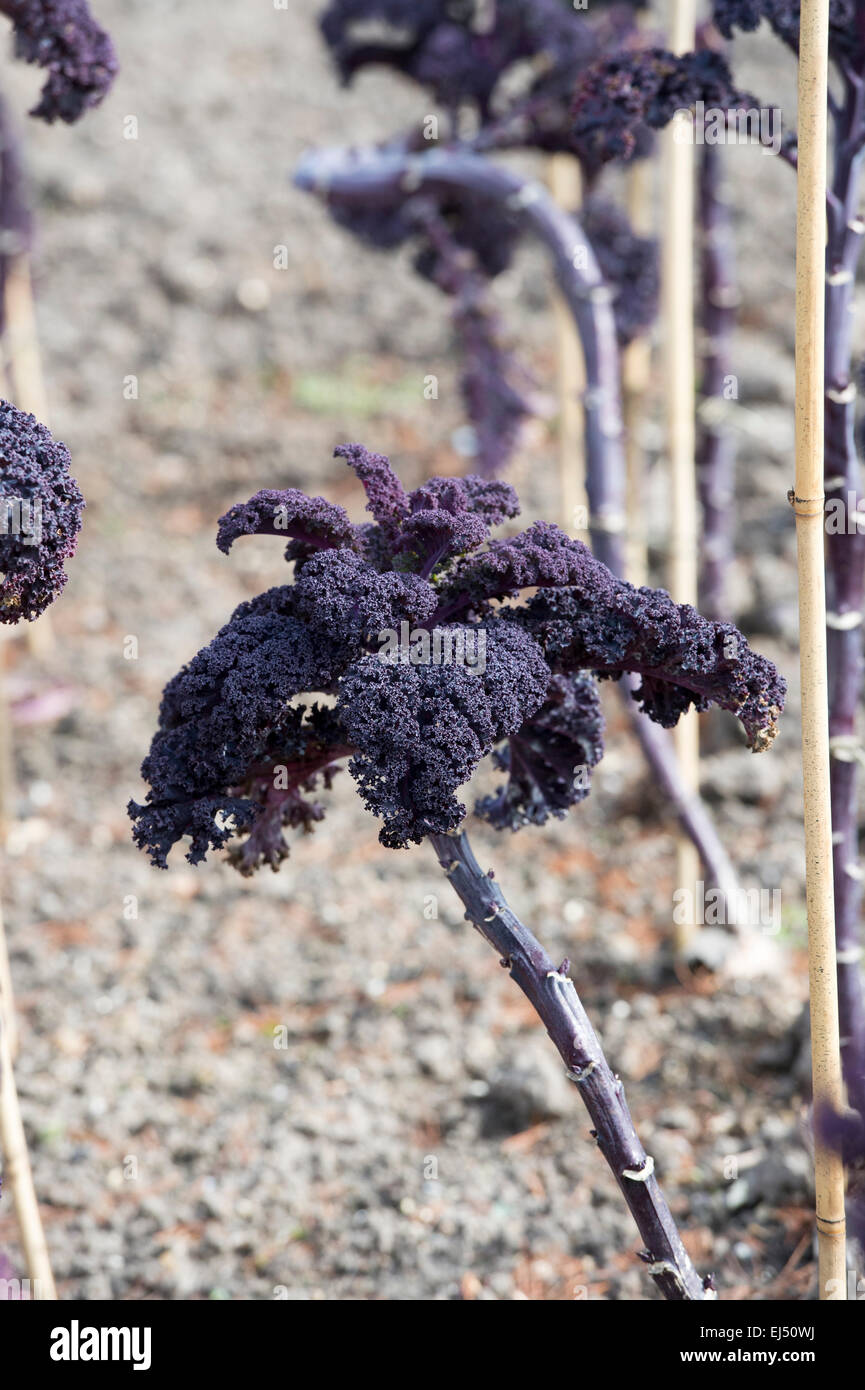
column 364, row 179
column 845, row 570
column 554, row 998
column 715, row 449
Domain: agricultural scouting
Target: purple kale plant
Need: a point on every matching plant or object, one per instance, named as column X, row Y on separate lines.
column 241, row 747
column 407, row 647
column 63, row 37
column 507, row 70
column 40, row 515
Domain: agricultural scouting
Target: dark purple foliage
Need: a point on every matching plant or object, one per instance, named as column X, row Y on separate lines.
column 422, row 730
column 387, row 500
column 628, row 263
column 550, row 757
column 473, row 224
column 585, row 617
column 618, row 96
column 63, row 36
column 461, row 49
column 493, row 383
column 40, row 515
column 684, row 660
column 240, row 747
column 311, row 521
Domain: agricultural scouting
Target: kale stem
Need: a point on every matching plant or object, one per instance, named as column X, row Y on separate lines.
column 558, row 1006
column 845, row 573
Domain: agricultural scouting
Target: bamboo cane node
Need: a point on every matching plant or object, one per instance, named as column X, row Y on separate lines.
column 806, row 506
column 834, row 1227
column 640, row 1174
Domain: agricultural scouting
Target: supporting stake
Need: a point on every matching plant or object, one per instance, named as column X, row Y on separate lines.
column 678, row 283
column 808, row 503
column 22, row 340
column 7, row 798
column 7, row 997
column 18, row 1175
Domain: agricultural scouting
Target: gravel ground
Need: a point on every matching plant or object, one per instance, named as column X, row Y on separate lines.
column 320, row 1084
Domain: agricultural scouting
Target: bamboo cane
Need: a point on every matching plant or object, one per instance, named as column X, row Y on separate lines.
column 7, row 998
column 18, row 1175
column 7, row 1006
column 677, row 274
column 636, row 374
column 22, row 340
column 808, row 504
column 565, row 185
